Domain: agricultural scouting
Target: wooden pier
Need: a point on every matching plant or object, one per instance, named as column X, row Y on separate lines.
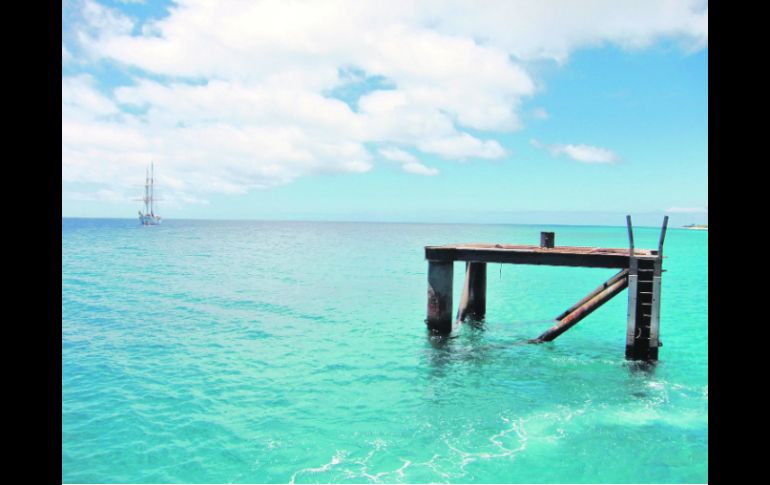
column 639, row 270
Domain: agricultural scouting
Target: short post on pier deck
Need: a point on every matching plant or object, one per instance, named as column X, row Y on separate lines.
column 547, row 239
column 473, row 302
column 440, row 274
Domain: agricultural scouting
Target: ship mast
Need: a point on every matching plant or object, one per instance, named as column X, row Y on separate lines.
column 146, row 190
column 149, row 196
column 152, row 192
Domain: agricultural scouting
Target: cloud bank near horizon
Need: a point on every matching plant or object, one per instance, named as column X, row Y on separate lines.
column 231, row 96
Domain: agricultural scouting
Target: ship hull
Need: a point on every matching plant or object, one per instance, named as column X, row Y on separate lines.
column 148, row 220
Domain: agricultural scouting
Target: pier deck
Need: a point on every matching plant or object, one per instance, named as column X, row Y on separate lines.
column 586, row 257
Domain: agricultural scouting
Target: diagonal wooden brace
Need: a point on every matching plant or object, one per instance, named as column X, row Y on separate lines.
column 586, row 306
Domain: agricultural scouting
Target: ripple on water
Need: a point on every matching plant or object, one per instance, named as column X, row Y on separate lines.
column 230, row 352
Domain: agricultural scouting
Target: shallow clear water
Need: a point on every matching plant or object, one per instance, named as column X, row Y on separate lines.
column 203, row 351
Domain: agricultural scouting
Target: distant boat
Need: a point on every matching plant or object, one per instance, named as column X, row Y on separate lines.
column 149, row 218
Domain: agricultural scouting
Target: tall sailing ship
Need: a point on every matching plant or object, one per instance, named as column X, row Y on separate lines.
column 148, row 218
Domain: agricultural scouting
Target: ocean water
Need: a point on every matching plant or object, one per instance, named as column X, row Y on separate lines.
column 296, row 352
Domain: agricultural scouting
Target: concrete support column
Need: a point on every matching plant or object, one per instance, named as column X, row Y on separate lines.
column 642, row 334
column 440, row 274
column 473, row 302
column 632, row 330
column 655, row 309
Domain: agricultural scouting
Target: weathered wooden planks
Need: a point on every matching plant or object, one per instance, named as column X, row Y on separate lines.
column 513, row 254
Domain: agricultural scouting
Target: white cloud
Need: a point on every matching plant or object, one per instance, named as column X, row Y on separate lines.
column 462, row 146
column 81, row 99
column 555, row 29
column 103, row 23
column 419, row 169
column 580, row 153
column 585, row 153
column 259, row 113
column 398, row 155
column 100, row 195
column 409, row 162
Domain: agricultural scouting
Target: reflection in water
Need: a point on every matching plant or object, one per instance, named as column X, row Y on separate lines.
column 642, row 368
column 468, row 343
column 472, row 347
column 641, row 374
column 475, row 324
column 441, row 352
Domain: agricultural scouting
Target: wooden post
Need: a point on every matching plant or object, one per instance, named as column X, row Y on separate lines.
column 662, row 236
column 440, row 275
column 547, row 239
column 630, row 236
column 473, row 302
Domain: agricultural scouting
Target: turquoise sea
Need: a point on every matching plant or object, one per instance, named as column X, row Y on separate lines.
column 296, row 352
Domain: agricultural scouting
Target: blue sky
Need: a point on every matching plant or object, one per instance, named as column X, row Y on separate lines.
column 517, row 113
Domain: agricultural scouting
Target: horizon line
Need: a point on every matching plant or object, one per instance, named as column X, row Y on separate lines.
column 375, row 222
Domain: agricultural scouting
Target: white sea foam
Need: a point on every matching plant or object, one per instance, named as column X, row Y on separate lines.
column 362, row 472
column 336, row 460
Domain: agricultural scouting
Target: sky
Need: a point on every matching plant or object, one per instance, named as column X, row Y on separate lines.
column 505, row 111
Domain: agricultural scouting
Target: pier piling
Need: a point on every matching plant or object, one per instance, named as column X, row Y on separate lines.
column 644, row 288
column 440, row 275
column 473, row 302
